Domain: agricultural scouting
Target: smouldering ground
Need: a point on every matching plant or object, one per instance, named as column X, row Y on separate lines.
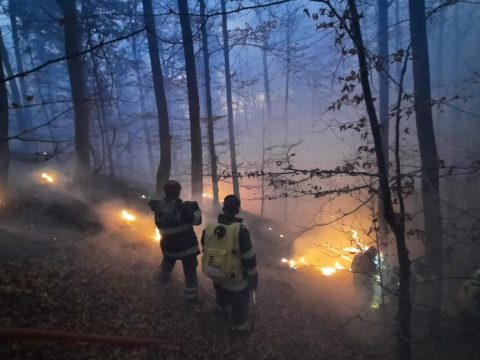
column 64, row 268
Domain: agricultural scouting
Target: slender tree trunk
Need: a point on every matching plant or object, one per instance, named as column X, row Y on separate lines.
column 396, row 221
column 4, row 145
column 428, row 149
column 164, row 168
column 262, row 204
column 15, row 93
column 80, row 94
column 287, row 99
column 193, row 101
column 143, row 111
column 208, row 98
column 25, row 113
column 228, row 81
column 383, row 72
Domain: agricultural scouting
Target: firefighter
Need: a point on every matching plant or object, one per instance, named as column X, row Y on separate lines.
column 364, row 270
column 175, row 219
column 468, row 301
column 229, row 260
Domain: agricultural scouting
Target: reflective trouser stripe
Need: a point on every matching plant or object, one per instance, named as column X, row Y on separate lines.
column 196, row 217
column 240, row 327
column 174, row 230
column 233, row 287
column 191, row 292
column 248, row 254
column 177, row 255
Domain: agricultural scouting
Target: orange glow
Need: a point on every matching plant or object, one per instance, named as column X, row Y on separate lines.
column 158, row 237
column 351, row 250
column 328, row 271
column 339, row 266
column 128, row 216
column 47, row 178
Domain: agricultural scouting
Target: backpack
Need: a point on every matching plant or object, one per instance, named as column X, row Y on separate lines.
column 221, row 259
column 167, row 213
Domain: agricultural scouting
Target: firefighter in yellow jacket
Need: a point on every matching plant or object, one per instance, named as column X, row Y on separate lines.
column 229, row 260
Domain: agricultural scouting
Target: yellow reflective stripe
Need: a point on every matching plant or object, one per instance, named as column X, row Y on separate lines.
column 190, row 251
column 196, row 217
column 240, row 327
column 174, row 230
column 249, row 254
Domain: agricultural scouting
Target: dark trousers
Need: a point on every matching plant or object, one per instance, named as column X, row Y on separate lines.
column 239, row 301
column 189, row 264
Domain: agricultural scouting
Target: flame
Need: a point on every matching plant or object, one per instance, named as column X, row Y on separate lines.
column 291, row 263
column 354, row 235
column 328, row 271
column 47, row 178
column 158, row 237
column 128, row 216
column 339, row 266
column 352, row 250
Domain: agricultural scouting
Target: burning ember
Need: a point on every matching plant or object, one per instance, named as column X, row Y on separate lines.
column 158, row 237
column 47, row 178
column 291, row 263
column 128, row 216
column 207, row 195
column 328, row 271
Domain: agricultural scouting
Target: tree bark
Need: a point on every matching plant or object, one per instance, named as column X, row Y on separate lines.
column 193, row 101
column 428, row 148
column 208, row 99
column 228, row 82
column 396, row 221
column 146, row 132
column 80, row 94
column 25, row 113
column 164, row 168
column 4, row 145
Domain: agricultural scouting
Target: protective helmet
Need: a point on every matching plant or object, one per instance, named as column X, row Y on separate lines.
column 172, row 188
column 476, row 277
column 372, row 250
column 231, row 204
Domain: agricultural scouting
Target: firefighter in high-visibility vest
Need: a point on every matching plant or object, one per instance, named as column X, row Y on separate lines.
column 229, row 260
column 468, row 301
column 175, row 219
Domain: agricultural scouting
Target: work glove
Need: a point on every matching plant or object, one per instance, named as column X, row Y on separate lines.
column 252, row 281
column 153, row 204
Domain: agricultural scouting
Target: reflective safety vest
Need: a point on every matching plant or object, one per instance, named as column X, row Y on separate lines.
column 221, row 259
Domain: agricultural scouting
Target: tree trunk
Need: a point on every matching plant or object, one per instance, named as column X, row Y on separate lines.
column 193, row 101
column 428, row 148
column 164, row 168
column 208, row 98
column 25, row 113
column 15, row 93
column 4, row 145
column 146, row 132
column 383, row 72
column 228, row 81
column 80, row 94
column 396, row 221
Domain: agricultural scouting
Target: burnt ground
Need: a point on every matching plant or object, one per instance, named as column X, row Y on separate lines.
column 63, row 268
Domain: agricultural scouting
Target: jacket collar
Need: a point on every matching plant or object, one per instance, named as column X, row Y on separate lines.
column 228, row 219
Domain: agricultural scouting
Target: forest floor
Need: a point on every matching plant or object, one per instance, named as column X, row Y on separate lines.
column 69, row 266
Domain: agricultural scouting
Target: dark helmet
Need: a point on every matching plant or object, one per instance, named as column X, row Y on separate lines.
column 172, row 188
column 231, row 204
column 372, row 251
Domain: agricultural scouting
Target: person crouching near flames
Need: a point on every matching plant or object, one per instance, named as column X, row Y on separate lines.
column 229, row 260
column 364, row 270
column 175, row 219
